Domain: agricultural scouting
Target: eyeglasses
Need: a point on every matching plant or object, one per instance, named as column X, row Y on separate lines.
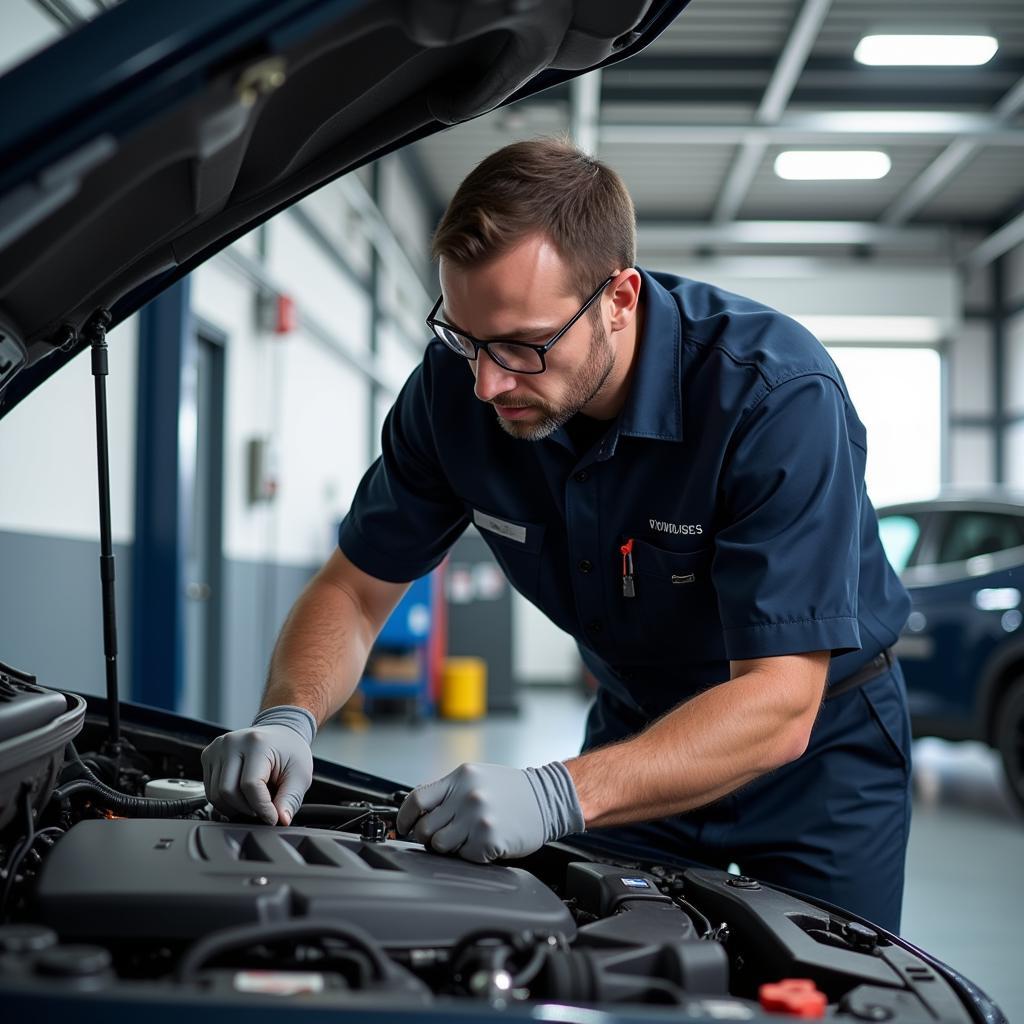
column 516, row 356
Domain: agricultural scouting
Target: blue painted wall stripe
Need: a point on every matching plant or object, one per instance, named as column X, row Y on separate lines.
column 158, row 591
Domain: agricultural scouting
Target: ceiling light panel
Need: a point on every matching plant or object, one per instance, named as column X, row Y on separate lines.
column 832, row 165
column 926, row 50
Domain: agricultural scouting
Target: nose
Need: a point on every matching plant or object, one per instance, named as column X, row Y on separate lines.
column 492, row 380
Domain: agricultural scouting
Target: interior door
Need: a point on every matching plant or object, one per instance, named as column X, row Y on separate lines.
column 203, row 591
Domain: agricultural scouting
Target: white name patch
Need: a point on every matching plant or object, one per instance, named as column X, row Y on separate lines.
column 501, row 527
column 685, row 529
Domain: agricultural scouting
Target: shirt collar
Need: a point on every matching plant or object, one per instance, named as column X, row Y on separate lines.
column 654, row 405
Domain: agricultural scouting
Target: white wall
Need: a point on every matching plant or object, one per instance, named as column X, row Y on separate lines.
column 318, row 286
column 295, row 389
column 801, row 287
column 1013, row 383
column 25, row 28
column 971, row 399
column 1014, row 269
column 1015, row 456
column 970, row 370
column 404, row 297
column 972, row 452
column 288, row 390
column 341, row 224
column 405, row 210
column 48, row 449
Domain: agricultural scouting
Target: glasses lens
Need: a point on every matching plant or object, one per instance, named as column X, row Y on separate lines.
column 455, row 341
column 519, row 358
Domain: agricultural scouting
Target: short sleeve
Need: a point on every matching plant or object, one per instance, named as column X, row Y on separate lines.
column 786, row 563
column 404, row 516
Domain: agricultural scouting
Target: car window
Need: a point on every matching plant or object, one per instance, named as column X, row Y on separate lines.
column 898, row 535
column 970, row 534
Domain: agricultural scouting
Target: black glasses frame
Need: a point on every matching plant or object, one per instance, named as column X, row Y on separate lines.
column 437, row 326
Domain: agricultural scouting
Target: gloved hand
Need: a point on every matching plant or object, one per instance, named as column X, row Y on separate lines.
column 486, row 811
column 242, row 768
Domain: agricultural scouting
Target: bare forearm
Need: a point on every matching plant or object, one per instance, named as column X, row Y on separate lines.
column 321, row 652
column 701, row 751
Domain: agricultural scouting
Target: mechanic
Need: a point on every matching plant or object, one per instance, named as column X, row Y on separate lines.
column 675, row 475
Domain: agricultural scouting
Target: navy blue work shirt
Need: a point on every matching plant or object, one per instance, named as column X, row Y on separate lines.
column 736, row 466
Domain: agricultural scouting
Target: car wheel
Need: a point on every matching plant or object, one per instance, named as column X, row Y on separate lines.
column 1010, row 738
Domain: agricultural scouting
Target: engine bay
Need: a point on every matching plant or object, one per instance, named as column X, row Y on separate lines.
column 120, row 881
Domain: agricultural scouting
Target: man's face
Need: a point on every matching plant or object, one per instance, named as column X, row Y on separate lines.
column 526, row 295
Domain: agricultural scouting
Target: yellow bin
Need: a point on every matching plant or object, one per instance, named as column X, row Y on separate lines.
column 464, row 688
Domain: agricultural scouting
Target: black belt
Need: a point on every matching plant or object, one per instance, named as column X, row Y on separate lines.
column 877, row 666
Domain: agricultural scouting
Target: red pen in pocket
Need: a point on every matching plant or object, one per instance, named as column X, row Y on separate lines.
column 628, row 579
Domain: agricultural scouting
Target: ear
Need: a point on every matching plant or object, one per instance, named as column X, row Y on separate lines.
column 625, row 294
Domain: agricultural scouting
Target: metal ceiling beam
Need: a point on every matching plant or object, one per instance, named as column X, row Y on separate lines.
column 667, row 65
column 662, row 235
column 827, row 126
column 62, row 13
column 941, row 170
column 809, row 95
column 585, row 110
column 780, row 87
column 381, row 237
column 665, row 80
column 1010, row 235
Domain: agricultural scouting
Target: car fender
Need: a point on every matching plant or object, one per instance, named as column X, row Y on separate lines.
column 991, row 685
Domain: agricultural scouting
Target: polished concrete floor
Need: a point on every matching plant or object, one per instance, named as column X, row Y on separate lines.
column 964, row 899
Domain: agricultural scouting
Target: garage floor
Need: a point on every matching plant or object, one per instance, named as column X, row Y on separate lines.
column 964, row 900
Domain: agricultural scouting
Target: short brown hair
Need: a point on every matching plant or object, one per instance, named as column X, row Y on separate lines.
column 545, row 185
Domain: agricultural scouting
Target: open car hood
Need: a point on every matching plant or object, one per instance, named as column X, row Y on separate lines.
column 138, row 146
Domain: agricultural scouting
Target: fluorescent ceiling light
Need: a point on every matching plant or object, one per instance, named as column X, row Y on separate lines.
column 970, row 50
column 832, row 165
column 910, row 330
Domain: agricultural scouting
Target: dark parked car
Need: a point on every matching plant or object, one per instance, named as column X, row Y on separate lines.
column 962, row 558
column 132, row 151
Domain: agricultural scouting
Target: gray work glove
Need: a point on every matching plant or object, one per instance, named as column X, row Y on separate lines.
column 484, row 812
column 241, row 769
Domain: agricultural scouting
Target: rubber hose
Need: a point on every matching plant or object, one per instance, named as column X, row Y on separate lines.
column 130, row 806
column 125, row 804
column 240, row 936
column 335, row 814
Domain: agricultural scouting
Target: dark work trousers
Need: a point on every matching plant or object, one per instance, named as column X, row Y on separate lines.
column 833, row 824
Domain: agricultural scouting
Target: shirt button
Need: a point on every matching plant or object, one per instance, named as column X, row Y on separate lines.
column 586, row 565
column 582, row 476
column 594, row 626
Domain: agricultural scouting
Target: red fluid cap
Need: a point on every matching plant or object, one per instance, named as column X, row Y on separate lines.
column 799, row 997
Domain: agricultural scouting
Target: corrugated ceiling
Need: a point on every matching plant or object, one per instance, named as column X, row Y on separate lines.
column 712, row 68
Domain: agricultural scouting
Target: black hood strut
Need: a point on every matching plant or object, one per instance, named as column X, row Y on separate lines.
column 95, row 332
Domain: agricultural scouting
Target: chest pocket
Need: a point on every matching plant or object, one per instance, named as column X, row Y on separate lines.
column 515, row 544
column 675, row 608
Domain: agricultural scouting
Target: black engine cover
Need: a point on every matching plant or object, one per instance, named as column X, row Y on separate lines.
column 177, row 879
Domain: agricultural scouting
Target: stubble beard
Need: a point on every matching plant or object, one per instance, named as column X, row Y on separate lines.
column 582, row 388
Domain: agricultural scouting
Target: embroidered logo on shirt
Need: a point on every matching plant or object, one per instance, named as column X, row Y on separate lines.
column 687, row 529
column 501, row 527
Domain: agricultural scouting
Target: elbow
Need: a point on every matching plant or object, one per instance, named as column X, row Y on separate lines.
column 793, row 741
